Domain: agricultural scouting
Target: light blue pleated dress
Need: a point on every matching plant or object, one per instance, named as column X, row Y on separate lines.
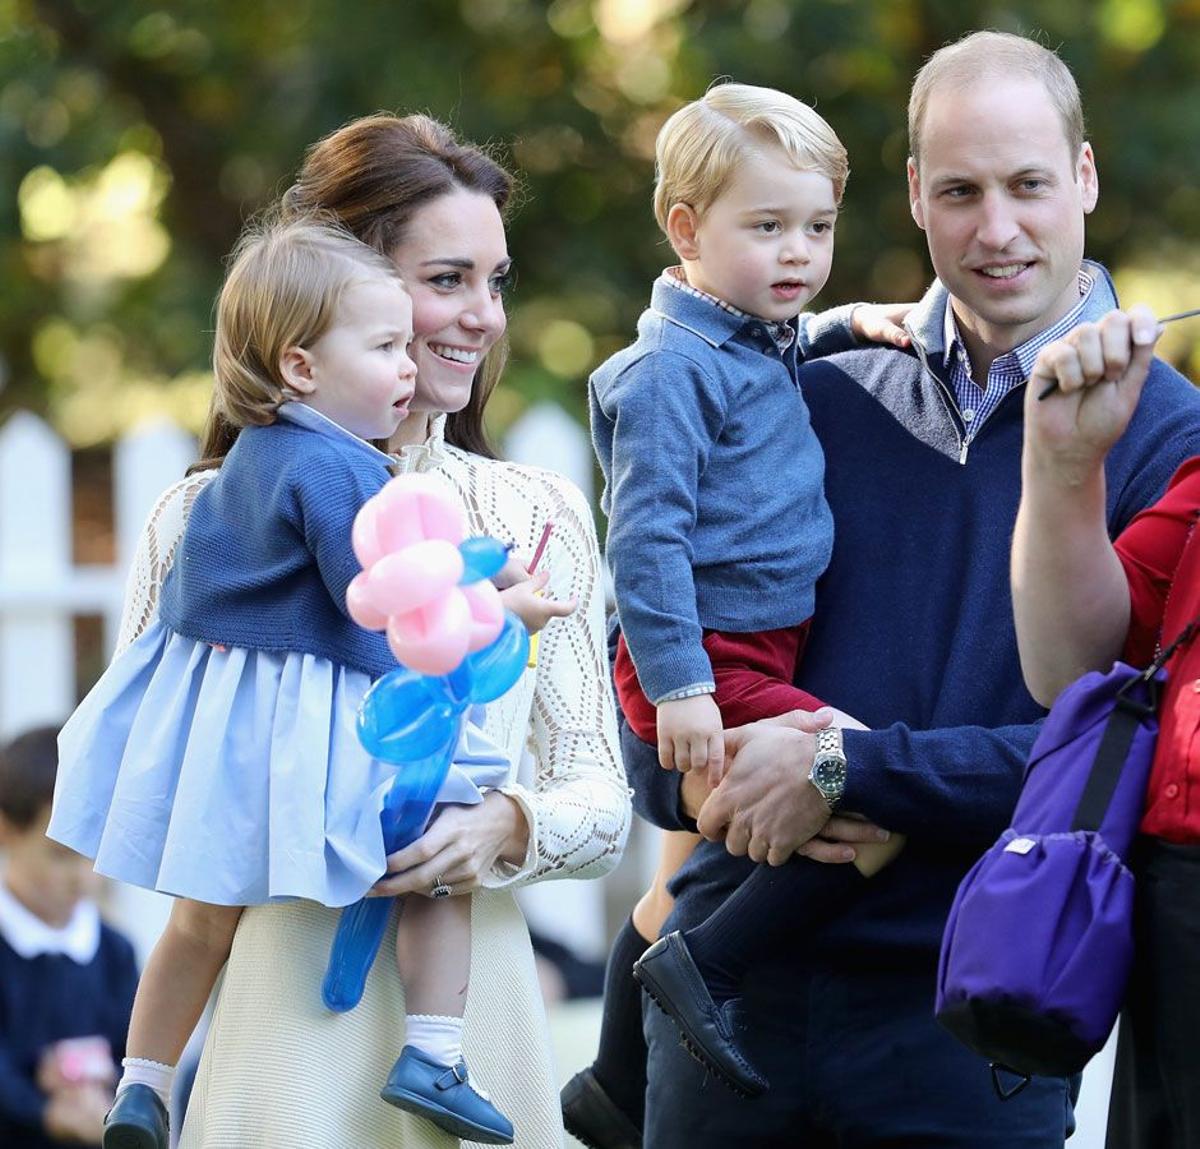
column 235, row 776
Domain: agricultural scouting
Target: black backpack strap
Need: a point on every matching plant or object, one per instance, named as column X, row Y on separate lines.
column 1122, row 725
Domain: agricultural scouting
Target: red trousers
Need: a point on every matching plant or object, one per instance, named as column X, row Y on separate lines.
column 753, row 673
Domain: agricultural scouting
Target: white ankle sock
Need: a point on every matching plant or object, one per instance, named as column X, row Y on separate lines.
column 139, row 1071
column 439, row 1038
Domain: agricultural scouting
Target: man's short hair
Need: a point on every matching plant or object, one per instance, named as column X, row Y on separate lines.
column 28, row 766
column 700, row 146
column 992, row 56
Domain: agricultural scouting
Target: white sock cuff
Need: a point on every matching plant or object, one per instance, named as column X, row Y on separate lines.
column 142, row 1071
column 438, row 1037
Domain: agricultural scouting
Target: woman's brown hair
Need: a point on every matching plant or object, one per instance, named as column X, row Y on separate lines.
column 373, row 174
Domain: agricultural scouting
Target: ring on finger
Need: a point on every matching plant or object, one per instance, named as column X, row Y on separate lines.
column 440, row 889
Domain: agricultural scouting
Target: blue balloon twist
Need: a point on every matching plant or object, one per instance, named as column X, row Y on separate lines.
column 414, row 720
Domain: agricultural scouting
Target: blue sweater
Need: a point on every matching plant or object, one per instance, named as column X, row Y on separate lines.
column 266, row 557
column 693, row 424
column 43, row 1000
column 913, row 629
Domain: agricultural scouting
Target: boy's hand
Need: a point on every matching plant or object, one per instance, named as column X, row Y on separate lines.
column 880, row 323
column 690, row 736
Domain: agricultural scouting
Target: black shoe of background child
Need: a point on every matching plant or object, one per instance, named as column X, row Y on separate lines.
column 668, row 974
column 137, row 1120
column 594, row 1118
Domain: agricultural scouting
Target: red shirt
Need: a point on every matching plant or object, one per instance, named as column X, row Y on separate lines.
column 1160, row 550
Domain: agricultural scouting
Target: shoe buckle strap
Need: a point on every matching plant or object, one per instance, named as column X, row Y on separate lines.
column 455, row 1075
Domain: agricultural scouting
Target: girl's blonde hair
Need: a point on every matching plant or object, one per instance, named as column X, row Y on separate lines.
column 282, row 289
column 701, row 145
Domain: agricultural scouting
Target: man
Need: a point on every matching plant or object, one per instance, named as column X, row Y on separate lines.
column 913, row 634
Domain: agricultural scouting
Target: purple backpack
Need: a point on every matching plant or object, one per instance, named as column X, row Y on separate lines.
column 1038, row 946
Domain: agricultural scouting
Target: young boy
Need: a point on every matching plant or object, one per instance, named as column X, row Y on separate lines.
column 718, row 525
column 66, row 979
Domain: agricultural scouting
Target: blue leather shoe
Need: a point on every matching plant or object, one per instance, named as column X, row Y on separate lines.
column 446, row 1096
column 137, row 1120
column 668, row 974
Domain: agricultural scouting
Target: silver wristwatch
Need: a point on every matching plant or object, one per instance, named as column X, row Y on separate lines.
column 828, row 773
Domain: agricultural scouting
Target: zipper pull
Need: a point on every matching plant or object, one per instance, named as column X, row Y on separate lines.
column 962, row 454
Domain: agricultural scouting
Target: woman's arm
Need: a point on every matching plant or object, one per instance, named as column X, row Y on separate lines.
column 155, row 553
column 1070, row 593
column 579, row 804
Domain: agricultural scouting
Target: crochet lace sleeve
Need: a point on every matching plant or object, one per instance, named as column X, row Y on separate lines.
column 578, row 803
column 155, row 553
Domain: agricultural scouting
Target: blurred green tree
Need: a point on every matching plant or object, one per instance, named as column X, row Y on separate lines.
column 137, row 138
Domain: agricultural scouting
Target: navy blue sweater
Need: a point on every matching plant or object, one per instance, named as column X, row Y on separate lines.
column 913, row 629
column 266, row 557
column 43, row 1000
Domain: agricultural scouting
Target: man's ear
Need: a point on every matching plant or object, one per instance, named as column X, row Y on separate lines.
column 914, row 194
column 1089, row 179
column 296, row 367
column 682, row 226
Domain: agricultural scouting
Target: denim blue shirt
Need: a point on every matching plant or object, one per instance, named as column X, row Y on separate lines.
column 694, row 424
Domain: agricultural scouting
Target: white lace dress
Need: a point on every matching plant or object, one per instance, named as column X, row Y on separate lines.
column 278, row 1070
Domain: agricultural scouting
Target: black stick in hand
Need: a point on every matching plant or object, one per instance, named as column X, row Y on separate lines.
column 1050, row 388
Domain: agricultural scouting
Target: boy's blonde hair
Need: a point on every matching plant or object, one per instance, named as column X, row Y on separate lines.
column 282, row 289
column 990, row 56
column 699, row 147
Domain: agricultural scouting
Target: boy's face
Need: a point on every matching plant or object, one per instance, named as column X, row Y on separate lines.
column 47, row 878
column 765, row 244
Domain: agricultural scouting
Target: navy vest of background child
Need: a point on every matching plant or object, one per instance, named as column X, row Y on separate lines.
column 66, row 978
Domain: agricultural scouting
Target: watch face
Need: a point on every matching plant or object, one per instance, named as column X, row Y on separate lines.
column 829, row 776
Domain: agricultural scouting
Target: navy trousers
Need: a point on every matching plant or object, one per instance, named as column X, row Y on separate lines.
column 855, row 1059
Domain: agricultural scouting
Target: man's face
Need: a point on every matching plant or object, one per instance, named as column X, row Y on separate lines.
column 1002, row 202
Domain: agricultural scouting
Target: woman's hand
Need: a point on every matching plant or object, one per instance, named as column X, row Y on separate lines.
column 460, row 849
column 881, row 323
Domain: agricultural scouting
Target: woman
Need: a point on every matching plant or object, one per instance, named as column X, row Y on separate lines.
column 278, row 1069
column 1081, row 602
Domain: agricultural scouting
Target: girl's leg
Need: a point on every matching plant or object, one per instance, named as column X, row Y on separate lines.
column 173, row 990
column 433, row 952
column 178, row 978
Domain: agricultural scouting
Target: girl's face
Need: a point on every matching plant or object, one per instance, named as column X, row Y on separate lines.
column 456, row 266
column 360, row 372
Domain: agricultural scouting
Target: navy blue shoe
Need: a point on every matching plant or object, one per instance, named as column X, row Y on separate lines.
column 446, row 1096
column 594, row 1118
column 137, row 1120
column 668, row 974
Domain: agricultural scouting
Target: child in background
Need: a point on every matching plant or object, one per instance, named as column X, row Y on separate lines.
column 217, row 759
column 718, row 525
column 66, row 979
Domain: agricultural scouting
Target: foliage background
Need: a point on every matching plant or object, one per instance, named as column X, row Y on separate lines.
column 136, row 138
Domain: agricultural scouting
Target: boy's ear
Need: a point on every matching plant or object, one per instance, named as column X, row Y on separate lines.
column 682, row 226
column 296, row 367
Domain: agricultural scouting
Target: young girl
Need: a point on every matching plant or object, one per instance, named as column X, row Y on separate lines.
column 216, row 759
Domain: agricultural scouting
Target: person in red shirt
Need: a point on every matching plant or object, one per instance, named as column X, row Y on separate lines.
column 1080, row 602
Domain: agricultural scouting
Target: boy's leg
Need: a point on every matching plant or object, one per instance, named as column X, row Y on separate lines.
column 616, row 1080
column 753, row 673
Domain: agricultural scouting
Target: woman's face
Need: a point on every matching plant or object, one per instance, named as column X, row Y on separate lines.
column 456, row 266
